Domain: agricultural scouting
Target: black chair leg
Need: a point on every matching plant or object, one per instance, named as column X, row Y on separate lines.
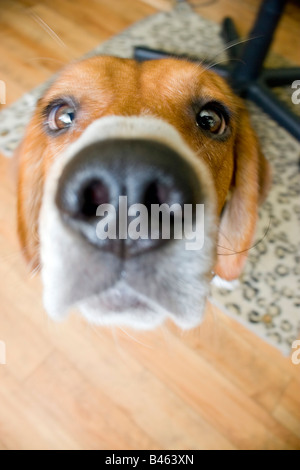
column 256, row 49
column 232, row 39
column 281, row 77
column 260, row 94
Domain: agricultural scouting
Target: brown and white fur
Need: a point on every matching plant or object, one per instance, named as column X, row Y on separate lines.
column 158, row 101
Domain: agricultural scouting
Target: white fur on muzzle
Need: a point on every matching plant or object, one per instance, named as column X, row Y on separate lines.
column 140, row 292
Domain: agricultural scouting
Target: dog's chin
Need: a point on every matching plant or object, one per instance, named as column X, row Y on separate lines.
column 121, row 305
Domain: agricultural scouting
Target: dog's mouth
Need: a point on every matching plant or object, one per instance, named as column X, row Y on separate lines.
column 154, row 280
column 122, row 305
column 120, row 298
column 117, row 301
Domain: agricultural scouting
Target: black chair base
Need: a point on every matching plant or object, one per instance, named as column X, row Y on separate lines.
column 245, row 73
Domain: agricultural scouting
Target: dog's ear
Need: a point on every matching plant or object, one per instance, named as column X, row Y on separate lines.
column 30, row 156
column 250, row 185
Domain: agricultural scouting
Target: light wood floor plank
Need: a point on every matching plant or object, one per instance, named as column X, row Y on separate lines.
column 73, row 386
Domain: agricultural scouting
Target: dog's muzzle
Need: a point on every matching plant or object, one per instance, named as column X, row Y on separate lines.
column 118, row 168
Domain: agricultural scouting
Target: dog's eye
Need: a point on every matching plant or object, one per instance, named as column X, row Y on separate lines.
column 61, row 117
column 212, row 120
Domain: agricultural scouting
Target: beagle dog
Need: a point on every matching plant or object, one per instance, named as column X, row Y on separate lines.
column 160, row 132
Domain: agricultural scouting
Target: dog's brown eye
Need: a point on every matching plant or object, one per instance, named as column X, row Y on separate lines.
column 61, row 117
column 211, row 120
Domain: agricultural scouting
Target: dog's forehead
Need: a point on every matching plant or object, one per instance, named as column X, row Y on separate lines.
column 110, row 76
column 184, row 78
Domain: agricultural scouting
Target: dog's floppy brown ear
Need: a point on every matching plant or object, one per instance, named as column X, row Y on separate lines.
column 250, row 185
column 29, row 156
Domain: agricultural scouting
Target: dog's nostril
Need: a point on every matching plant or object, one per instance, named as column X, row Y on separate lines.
column 156, row 193
column 94, row 195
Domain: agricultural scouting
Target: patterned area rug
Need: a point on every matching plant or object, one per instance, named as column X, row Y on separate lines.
column 267, row 298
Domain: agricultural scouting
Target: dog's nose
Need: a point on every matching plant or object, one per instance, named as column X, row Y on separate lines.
column 122, row 173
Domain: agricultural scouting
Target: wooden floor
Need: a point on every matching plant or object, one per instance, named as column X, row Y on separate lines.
column 72, row 386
